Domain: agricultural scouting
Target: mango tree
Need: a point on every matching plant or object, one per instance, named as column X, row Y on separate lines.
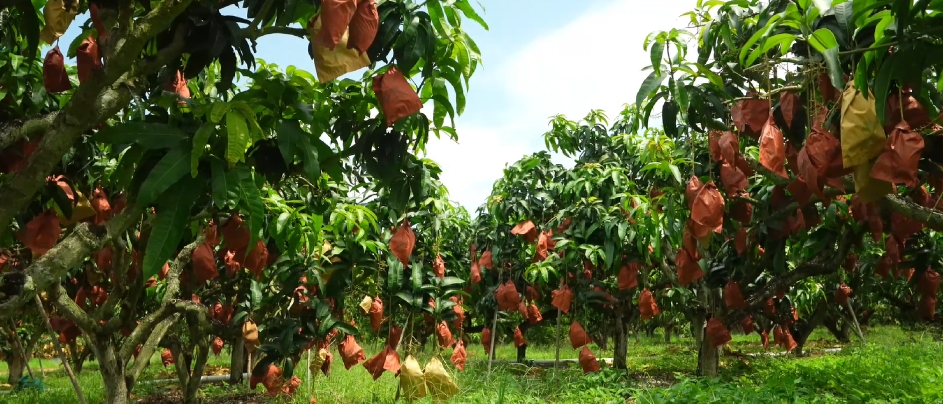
column 839, row 127
column 154, row 160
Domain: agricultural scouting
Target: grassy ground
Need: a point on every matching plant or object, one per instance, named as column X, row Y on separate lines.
column 895, row 366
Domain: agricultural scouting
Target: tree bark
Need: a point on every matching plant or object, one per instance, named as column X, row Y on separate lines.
column 193, row 388
column 622, row 343
column 112, row 371
column 16, row 365
column 801, row 332
column 840, row 332
column 708, row 357
column 237, row 362
column 78, row 356
column 521, row 353
column 17, row 362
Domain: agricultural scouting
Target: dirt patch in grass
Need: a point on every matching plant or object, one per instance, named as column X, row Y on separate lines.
column 177, row 398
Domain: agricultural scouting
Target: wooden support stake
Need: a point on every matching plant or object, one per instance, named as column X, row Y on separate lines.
column 556, row 361
column 494, row 326
column 62, row 356
column 854, row 319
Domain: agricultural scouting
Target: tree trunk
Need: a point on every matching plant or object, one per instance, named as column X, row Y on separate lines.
column 650, row 331
column 668, row 330
column 839, row 332
column 16, row 364
column 237, row 362
column 521, row 353
column 193, row 387
column 622, row 343
column 697, row 328
column 802, row 330
column 112, row 372
column 708, row 358
column 78, row 357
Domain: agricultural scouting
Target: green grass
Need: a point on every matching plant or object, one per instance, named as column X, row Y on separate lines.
column 896, row 366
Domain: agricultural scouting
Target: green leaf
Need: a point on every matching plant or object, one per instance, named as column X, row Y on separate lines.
column 394, row 276
column 680, row 94
column 220, row 108
column 170, row 223
column 759, row 34
column 882, row 84
column 470, row 12
column 310, row 162
column 454, row 78
column 238, row 137
column 823, row 39
column 844, row 13
column 649, row 86
column 121, row 178
column 282, row 221
column 249, row 193
column 411, row 45
column 783, row 40
column 61, row 199
column 148, row 135
column 676, row 173
column 835, row 73
column 288, row 134
column 224, row 188
column 416, row 276
column 255, row 131
column 437, row 15
column 451, row 281
column 199, row 146
column 657, row 51
column 74, row 46
column 442, row 104
column 255, row 289
column 173, row 166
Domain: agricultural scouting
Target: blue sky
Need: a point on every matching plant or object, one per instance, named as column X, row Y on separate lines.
column 540, row 58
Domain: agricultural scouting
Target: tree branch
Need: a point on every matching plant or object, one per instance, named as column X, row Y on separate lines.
column 827, row 262
column 293, row 31
column 67, row 254
column 72, row 311
column 18, row 129
column 254, row 25
column 931, row 217
column 169, row 306
column 894, row 203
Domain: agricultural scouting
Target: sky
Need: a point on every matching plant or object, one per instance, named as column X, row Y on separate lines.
column 539, row 58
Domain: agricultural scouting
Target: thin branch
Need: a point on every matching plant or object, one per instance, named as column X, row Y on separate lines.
column 827, row 262
column 60, row 351
column 795, row 61
column 170, row 305
column 293, row 31
column 166, row 54
column 260, row 15
column 767, row 95
column 60, row 298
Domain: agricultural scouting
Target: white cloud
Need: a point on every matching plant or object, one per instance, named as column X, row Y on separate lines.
column 594, row 62
column 472, row 165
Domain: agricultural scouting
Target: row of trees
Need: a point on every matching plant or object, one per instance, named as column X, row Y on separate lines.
column 792, row 183
column 171, row 194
